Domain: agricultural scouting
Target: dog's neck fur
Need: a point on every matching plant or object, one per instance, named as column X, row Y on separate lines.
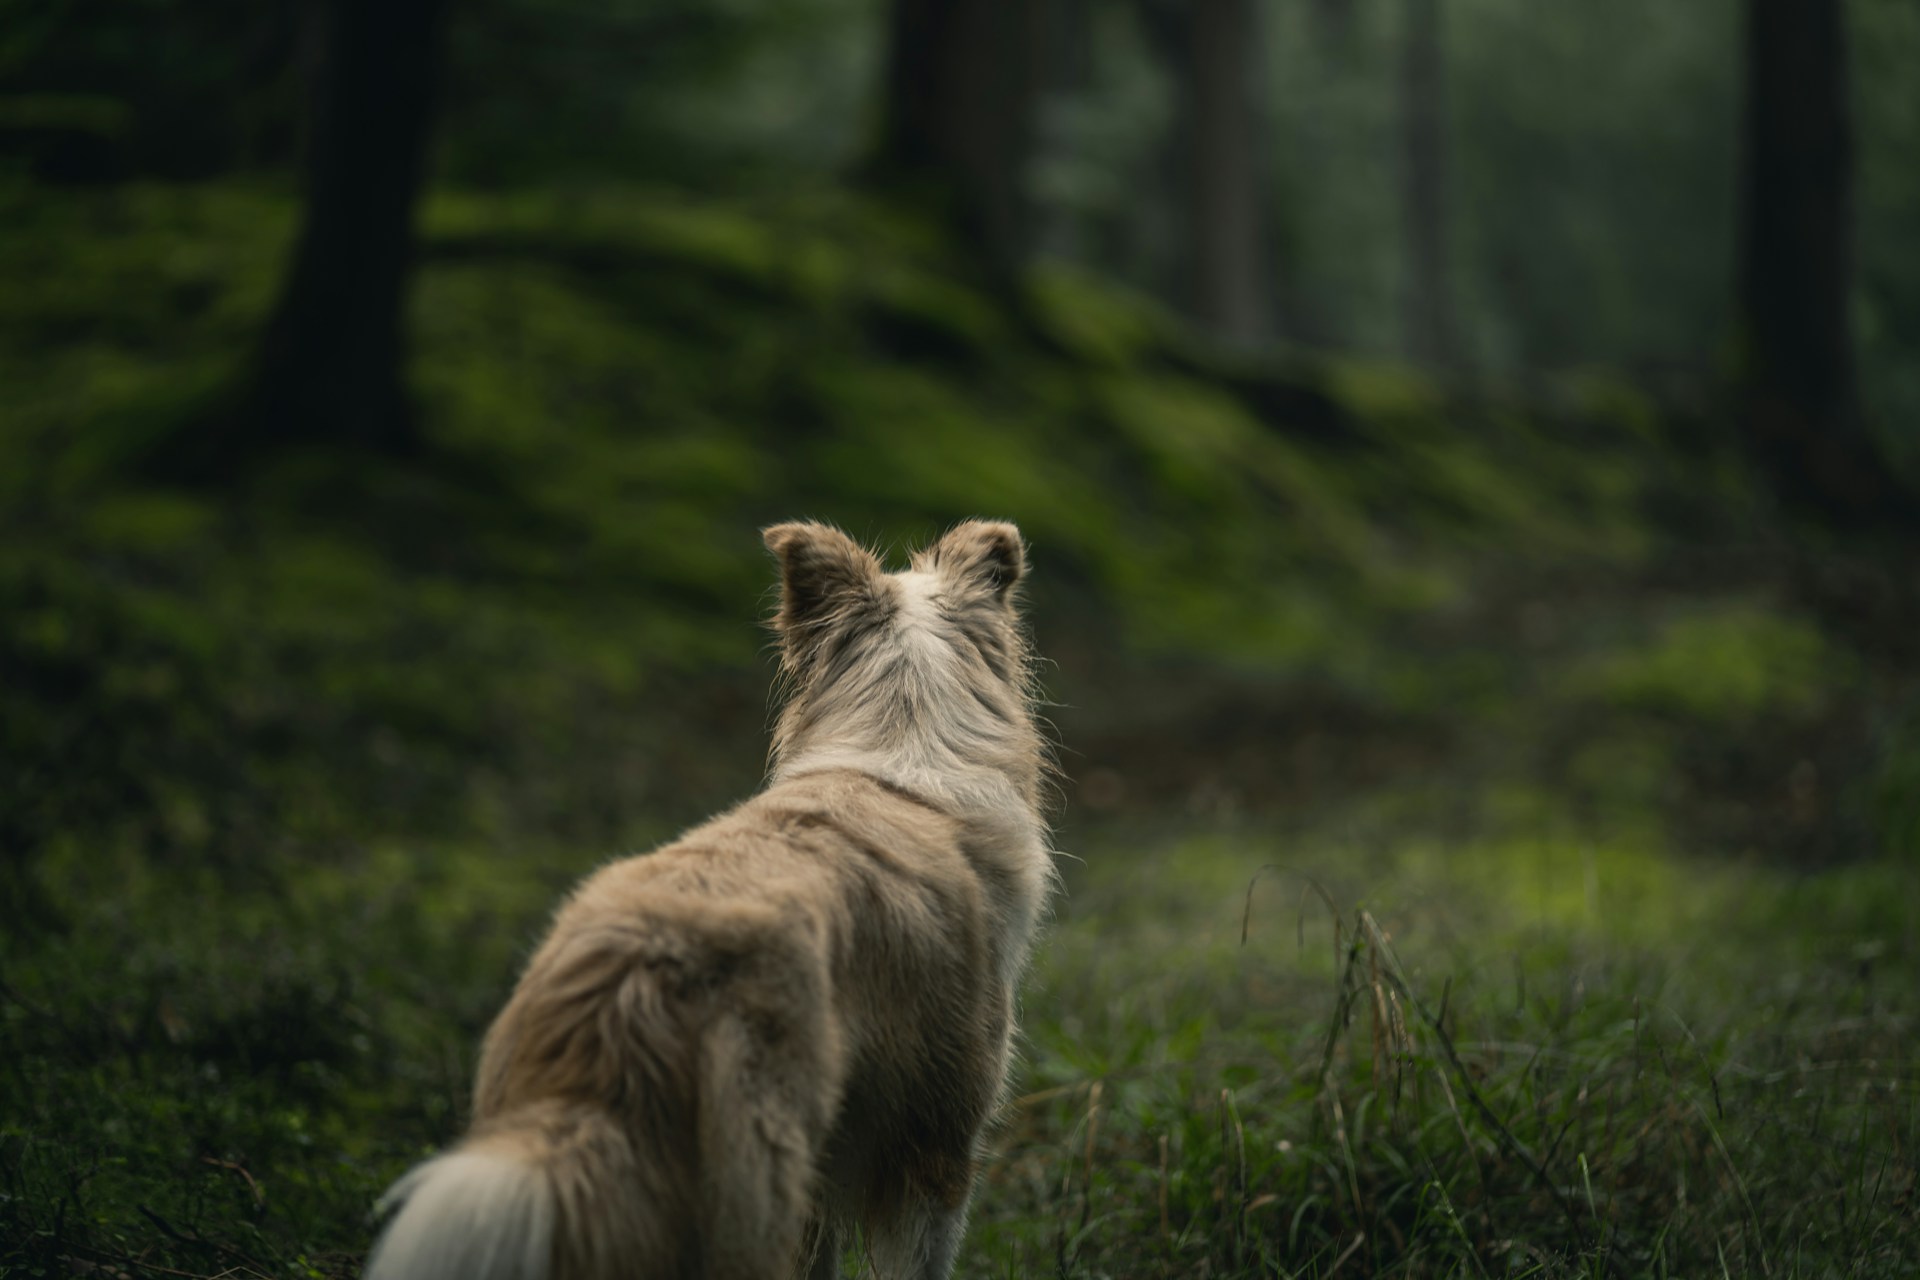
column 920, row 679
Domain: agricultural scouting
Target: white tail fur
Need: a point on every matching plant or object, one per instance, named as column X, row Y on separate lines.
column 545, row 1190
column 469, row 1216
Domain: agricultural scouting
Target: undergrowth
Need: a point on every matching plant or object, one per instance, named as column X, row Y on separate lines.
column 1220, row 1092
column 1229, row 1068
column 1601, row 813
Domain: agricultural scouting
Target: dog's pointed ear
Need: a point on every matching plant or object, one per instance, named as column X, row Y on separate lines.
column 823, row 572
column 984, row 556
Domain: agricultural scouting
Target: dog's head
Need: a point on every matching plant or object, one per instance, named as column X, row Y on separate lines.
column 932, row 660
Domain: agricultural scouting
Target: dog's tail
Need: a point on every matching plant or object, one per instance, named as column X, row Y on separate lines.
column 652, row 1097
column 549, row 1189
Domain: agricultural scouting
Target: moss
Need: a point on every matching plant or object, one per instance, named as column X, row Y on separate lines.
column 716, row 237
column 1894, row 789
column 1095, row 321
column 304, row 764
column 586, row 378
column 1603, row 395
column 1380, row 393
column 1730, row 661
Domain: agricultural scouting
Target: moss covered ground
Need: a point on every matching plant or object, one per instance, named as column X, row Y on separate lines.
column 1493, row 844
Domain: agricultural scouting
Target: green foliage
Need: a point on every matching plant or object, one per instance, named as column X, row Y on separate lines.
column 1895, row 788
column 92, row 90
column 722, row 93
column 210, row 1077
column 294, row 771
column 1590, row 159
column 1731, row 661
column 1095, row 320
column 297, row 768
column 617, row 383
column 1634, row 1095
column 1673, row 1064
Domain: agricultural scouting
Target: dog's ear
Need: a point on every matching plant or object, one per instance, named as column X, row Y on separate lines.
column 823, row 573
column 986, row 556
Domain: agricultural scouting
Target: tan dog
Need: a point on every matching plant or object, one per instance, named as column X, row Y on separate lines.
column 796, row 1018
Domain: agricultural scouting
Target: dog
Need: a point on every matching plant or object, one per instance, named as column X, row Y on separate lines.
column 796, row 1019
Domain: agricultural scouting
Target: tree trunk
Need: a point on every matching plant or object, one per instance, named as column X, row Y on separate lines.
column 331, row 364
column 1799, row 401
column 1428, row 306
column 962, row 85
column 1334, row 19
column 1212, row 48
column 1061, row 228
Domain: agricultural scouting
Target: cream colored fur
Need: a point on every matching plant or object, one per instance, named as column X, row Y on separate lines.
column 796, row 1018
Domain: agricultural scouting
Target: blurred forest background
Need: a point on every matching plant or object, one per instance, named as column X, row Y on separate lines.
column 1469, row 449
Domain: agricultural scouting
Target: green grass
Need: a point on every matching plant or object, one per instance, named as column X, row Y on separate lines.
column 1653, row 1065
column 1581, row 937
column 1647, row 1067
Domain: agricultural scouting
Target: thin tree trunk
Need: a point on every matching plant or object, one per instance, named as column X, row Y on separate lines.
column 1061, row 228
column 1799, row 400
column 1067, row 45
column 331, row 364
column 1231, row 279
column 1212, row 48
column 962, row 85
column 1334, row 19
column 1428, row 305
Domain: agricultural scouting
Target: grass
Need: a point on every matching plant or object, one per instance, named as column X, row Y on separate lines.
column 1358, row 1062
column 1646, row 1070
column 1484, row 873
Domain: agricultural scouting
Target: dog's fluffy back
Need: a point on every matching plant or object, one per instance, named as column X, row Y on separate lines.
column 798, row 1014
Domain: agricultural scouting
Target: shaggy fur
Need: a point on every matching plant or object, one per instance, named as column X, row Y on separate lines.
column 795, row 1018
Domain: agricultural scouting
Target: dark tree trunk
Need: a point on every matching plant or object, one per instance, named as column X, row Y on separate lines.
column 962, row 85
column 1334, row 19
column 1212, row 49
column 1799, row 401
column 1062, row 228
column 331, row 364
column 1428, row 315
column 1067, row 45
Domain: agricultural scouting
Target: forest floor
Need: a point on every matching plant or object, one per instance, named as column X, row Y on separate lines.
column 1489, row 847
